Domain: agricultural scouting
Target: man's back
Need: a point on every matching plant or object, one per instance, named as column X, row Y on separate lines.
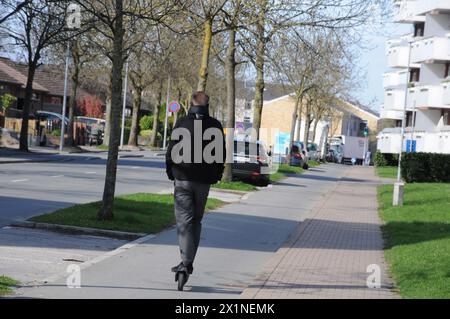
column 196, row 167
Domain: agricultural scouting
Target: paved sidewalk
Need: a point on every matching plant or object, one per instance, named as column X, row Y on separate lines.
column 237, row 240
column 328, row 255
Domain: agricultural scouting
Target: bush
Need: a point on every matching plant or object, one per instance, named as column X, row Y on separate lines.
column 146, row 122
column 426, row 167
column 56, row 132
column 145, row 133
column 382, row 159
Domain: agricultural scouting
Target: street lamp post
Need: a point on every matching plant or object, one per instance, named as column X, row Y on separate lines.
column 399, row 185
column 122, row 132
column 167, row 113
column 63, row 122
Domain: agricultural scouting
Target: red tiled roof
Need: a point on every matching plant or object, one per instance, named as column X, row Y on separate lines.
column 9, row 73
column 49, row 79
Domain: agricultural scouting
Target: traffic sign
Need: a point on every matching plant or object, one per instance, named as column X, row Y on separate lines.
column 174, row 106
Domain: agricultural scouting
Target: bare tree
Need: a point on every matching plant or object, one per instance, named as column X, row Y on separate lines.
column 35, row 26
column 10, row 8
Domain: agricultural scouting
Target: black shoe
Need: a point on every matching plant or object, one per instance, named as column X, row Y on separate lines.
column 181, row 267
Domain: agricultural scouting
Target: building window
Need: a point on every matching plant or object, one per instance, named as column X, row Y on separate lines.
column 414, row 76
column 248, row 105
column 247, row 119
column 419, row 29
column 447, row 70
column 446, row 117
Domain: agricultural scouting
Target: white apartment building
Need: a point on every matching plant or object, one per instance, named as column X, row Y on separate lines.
column 426, row 87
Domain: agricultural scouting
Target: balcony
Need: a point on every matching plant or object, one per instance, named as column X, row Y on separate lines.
column 430, row 142
column 395, row 79
column 431, row 49
column 425, row 6
column 407, row 12
column 391, row 114
column 429, row 96
column 394, row 100
column 398, row 56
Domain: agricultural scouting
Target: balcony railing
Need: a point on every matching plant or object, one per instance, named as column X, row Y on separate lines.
column 431, row 49
column 407, row 12
column 433, row 142
column 395, row 79
column 425, row 6
column 398, row 56
column 394, row 100
column 430, row 96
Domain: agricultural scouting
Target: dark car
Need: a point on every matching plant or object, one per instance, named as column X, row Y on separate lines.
column 251, row 163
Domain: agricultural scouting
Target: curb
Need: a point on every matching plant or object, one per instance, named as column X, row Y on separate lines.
column 130, row 156
column 80, row 230
column 230, row 191
column 35, row 161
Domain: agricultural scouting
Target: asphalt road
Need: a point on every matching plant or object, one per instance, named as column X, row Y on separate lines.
column 29, row 189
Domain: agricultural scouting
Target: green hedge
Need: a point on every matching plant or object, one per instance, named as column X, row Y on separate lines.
column 385, row 159
column 426, row 167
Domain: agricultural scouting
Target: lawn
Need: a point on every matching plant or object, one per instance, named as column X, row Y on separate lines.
column 417, row 239
column 235, row 185
column 312, row 163
column 6, row 285
column 284, row 170
column 387, row 171
column 139, row 213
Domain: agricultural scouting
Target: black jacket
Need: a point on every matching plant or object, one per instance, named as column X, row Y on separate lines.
column 209, row 173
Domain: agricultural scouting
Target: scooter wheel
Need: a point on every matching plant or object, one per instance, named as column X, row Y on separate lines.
column 182, row 278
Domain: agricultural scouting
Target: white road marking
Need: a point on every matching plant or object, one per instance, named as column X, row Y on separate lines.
column 19, row 180
column 55, row 176
column 90, row 172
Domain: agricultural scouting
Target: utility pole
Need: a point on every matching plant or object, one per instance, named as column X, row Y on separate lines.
column 167, row 113
column 398, row 186
column 122, row 132
column 413, row 125
column 63, row 119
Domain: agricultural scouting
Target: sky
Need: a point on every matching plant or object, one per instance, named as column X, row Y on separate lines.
column 373, row 62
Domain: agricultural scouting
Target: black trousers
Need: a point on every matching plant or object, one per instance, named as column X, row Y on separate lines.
column 190, row 202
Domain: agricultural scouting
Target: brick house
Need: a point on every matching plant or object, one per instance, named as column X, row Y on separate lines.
column 48, row 87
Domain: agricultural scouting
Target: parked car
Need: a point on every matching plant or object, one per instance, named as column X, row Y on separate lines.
column 313, row 151
column 298, row 155
column 95, row 129
column 251, row 162
column 334, row 156
column 53, row 123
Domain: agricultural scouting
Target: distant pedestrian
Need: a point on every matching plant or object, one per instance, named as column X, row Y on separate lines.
column 192, row 179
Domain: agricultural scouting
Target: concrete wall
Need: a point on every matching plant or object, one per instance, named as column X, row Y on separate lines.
column 427, row 119
column 436, row 25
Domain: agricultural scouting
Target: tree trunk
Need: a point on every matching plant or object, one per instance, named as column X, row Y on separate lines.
column 107, row 118
column 294, row 121
column 307, row 124
column 299, row 120
column 23, row 142
column 231, row 100
column 106, row 211
column 203, row 74
column 137, row 101
column 73, row 96
column 313, row 138
column 156, row 108
column 259, row 64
